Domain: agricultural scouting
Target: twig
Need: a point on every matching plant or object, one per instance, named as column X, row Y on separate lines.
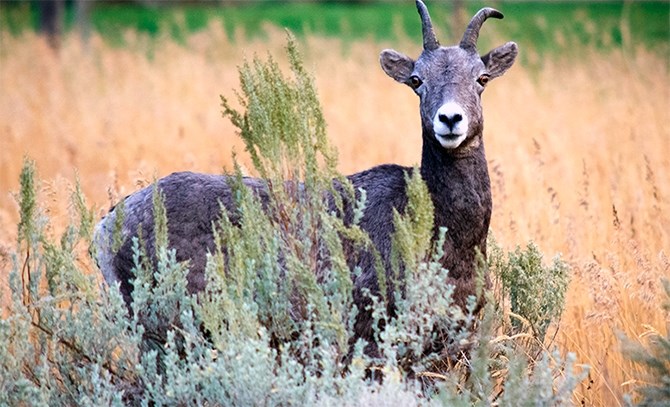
column 74, row 348
column 25, row 270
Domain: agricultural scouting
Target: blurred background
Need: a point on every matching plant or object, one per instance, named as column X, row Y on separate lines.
column 588, row 22
column 118, row 93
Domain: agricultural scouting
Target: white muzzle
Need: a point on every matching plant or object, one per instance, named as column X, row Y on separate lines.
column 450, row 125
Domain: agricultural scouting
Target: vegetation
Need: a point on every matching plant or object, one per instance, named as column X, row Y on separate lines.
column 654, row 354
column 577, row 148
column 546, row 26
column 267, row 330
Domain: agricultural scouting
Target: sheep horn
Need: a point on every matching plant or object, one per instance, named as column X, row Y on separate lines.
column 429, row 41
column 469, row 41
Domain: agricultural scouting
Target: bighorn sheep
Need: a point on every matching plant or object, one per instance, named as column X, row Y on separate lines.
column 449, row 82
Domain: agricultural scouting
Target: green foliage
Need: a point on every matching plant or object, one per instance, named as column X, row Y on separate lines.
column 549, row 27
column 27, row 204
column 500, row 374
column 275, row 323
column 655, row 358
column 61, row 331
column 414, row 229
column 283, row 122
column 280, row 242
column 536, row 293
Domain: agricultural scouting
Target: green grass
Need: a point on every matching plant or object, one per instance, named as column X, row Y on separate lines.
column 537, row 23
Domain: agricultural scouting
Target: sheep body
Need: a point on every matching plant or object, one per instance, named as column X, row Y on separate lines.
column 449, row 82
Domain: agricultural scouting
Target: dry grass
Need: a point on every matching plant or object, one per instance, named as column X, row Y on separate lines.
column 579, row 153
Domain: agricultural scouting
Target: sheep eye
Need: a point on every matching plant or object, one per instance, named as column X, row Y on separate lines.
column 483, row 79
column 414, row 81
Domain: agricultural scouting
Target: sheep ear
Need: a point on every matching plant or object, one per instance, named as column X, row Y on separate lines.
column 396, row 65
column 500, row 59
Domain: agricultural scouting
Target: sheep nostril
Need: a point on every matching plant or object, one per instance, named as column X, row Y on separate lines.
column 450, row 121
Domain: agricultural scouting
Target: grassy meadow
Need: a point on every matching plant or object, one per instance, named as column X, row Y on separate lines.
column 578, row 146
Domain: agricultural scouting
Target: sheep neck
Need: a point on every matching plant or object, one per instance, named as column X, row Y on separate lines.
column 443, row 169
column 460, row 189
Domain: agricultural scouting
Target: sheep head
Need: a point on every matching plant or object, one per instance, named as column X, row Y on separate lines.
column 450, row 80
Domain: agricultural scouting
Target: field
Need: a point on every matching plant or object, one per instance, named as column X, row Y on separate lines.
column 578, row 146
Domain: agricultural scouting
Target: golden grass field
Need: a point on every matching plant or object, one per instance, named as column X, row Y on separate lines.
column 579, row 154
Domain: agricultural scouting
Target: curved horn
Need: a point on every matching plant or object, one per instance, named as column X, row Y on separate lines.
column 469, row 41
column 429, row 41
